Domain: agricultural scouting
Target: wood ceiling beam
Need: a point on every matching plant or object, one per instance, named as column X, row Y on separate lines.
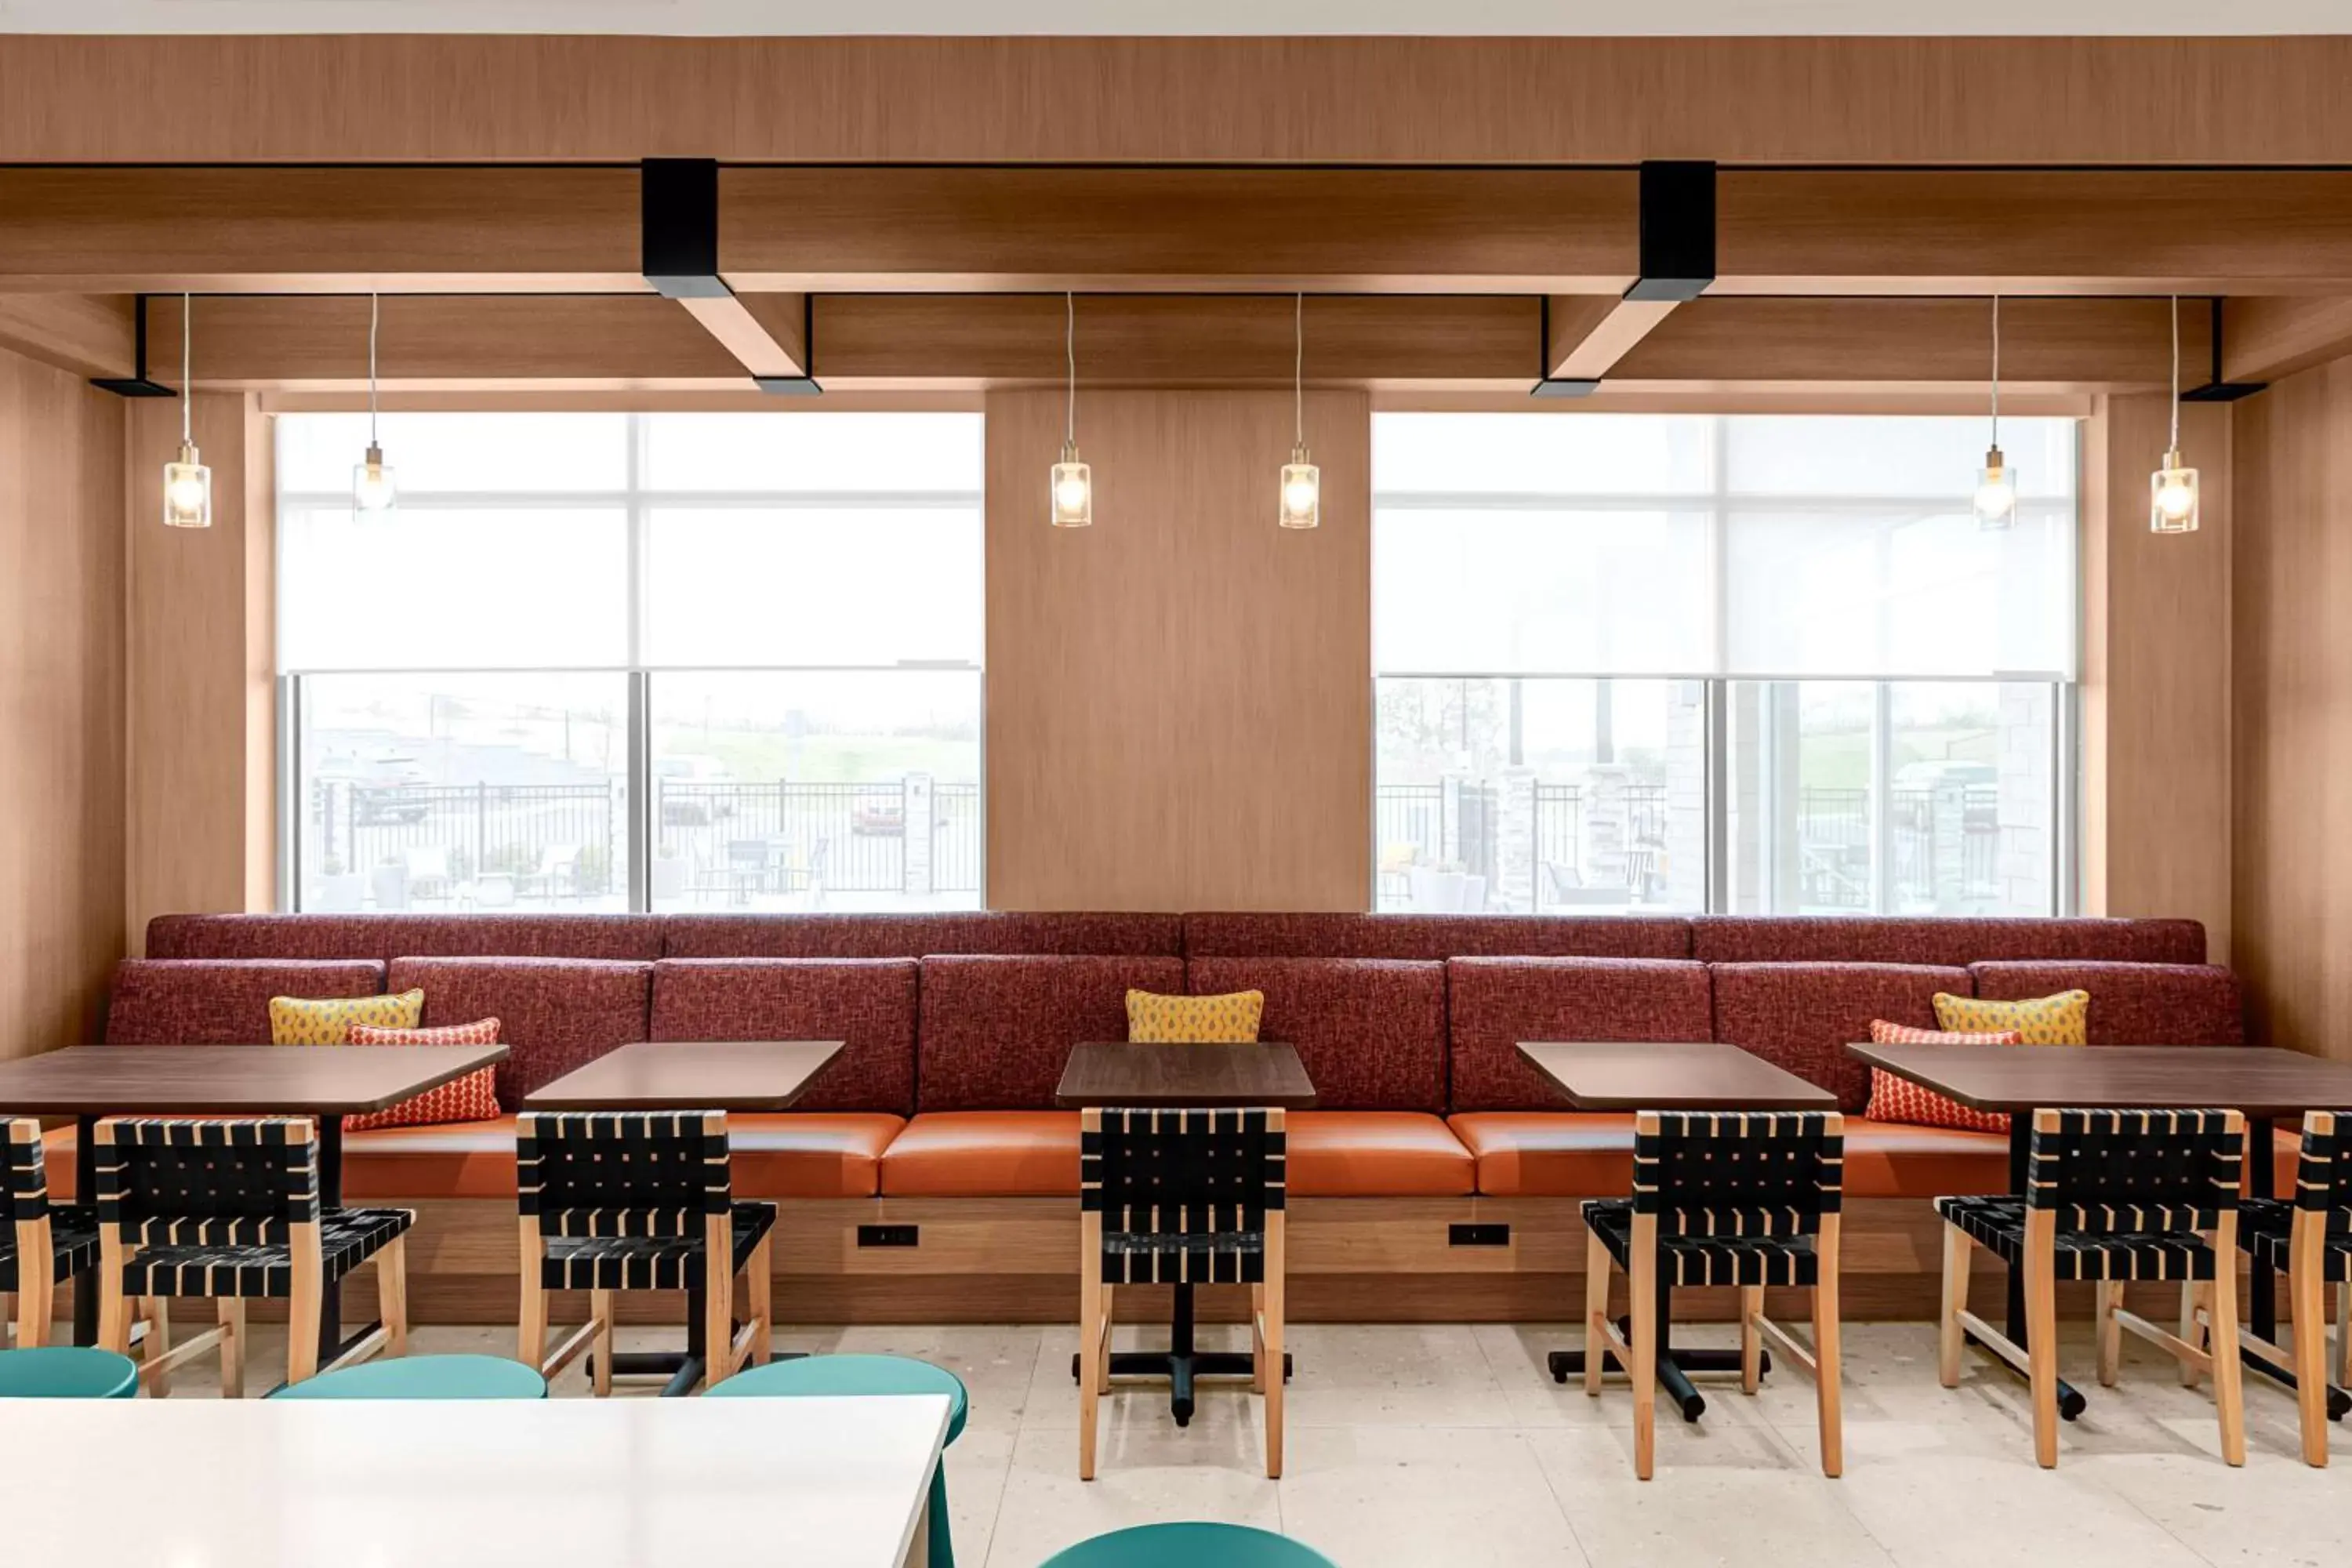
column 914, row 343
column 2265, row 338
column 1586, row 334
column 89, row 335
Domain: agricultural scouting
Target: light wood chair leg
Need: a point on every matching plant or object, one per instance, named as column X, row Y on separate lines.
column 2308, row 1293
column 1644, row 1307
column 1597, row 1265
column 600, row 1312
column 1257, row 1339
column 158, row 1313
column 1950, row 1338
column 1829, row 1395
column 759, row 1299
column 2229, row 1394
column 717, row 1326
column 1110, row 1322
column 2042, row 1331
column 1271, row 1368
column 1751, row 1338
column 306, row 1309
column 2110, row 1332
column 1091, row 1336
column 2193, row 1295
column 392, row 1294
column 114, row 1314
column 530, row 1320
column 232, row 1349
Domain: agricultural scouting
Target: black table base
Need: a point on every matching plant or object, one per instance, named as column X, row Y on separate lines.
column 1675, row 1366
column 1180, row 1364
column 680, row 1370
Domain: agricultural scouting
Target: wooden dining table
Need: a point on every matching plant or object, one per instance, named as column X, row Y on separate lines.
column 1210, row 1076
column 325, row 1083
column 748, row 1076
column 2267, row 1085
column 1668, row 1075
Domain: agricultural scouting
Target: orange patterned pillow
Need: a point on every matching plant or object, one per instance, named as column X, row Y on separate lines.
column 473, row 1098
column 1894, row 1098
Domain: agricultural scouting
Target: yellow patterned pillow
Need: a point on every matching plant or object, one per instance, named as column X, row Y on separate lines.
column 2061, row 1020
column 298, row 1021
column 1154, row 1019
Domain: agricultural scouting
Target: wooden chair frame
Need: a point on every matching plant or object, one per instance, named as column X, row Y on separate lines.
column 32, row 1314
column 726, row 1348
column 1095, row 1322
column 1822, row 1360
column 2038, row 1359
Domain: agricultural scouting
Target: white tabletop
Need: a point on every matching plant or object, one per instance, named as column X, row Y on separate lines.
column 609, row 1483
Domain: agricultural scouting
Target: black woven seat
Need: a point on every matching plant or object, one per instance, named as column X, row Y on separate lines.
column 1707, row 1260
column 1998, row 1225
column 648, row 1262
column 73, row 1246
column 347, row 1239
column 1183, row 1194
column 2265, row 1228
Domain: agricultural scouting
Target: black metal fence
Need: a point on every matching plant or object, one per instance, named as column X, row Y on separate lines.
column 742, row 839
column 1834, row 833
column 552, row 841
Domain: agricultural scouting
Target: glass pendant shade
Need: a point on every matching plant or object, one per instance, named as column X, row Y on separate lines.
column 2172, row 497
column 373, row 491
column 187, row 490
column 1302, row 491
column 1074, row 491
column 1996, row 499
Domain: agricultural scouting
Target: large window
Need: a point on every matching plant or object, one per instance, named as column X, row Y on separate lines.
column 1760, row 665
column 650, row 661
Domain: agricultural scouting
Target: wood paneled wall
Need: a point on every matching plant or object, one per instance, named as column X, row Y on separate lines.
column 2156, row 673
column 61, row 704
column 199, row 818
column 1368, row 99
column 1179, row 698
column 2293, row 732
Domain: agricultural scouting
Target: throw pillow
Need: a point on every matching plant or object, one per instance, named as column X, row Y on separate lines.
column 1153, row 1020
column 1894, row 1098
column 299, row 1021
column 2061, row 1020
column 473, row 1098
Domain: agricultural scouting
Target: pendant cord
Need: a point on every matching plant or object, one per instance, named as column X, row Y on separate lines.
column 371, row 327
column 1298, row 373
column 1996, row 372
column 2175, row 444
column 187, row 393
column 1070, row 351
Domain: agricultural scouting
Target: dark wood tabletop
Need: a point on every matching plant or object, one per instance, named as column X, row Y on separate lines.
column 1267, row 1074
column 690, row 1075
column 2258, row 1081
column 234, row 1080
column 1670, row 1075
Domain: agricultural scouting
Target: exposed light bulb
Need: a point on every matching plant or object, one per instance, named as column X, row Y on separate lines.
column 2172, row 496
column 374, row 491
column 187, row 490
column 1996, row 499
column 1302, row 491
column 1073, row 490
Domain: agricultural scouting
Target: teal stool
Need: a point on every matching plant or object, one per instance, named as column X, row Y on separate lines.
column 425, row 1377
column 67, row 1371
column 1187, row 1546
column 856, row 1375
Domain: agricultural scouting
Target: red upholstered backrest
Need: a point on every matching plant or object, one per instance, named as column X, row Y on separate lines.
column 218, row 1001
column 1370, row 1032
column 556, row 1014
column 868, row 1004
column 1801, row 1017
column 997, row 1031
column 269, row 936
column 1434, row 937
column 1493, row 1004
column 2133, row 1004
column 1939, row 939
column 638, row 937
column 916, row 936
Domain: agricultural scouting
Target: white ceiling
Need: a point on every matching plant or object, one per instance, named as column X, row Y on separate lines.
column 1200, row 18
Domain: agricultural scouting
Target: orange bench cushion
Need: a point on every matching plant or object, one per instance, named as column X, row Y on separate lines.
column 787, row 1154
column 1034, row 1153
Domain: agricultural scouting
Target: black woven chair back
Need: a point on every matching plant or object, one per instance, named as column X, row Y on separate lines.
column 622, row 1172
column 2116, row 1172
column 2323, row 1177
column 1724, row 1173
column 24, row 1178
column 1181, row 1172
column 174, row 1180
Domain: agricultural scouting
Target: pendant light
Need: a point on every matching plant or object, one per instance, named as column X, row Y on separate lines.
column 373, row 493
column 1073, row 484
column 1301, row 497
column 187, row 483
column 1996, row 499
column 2172, row 488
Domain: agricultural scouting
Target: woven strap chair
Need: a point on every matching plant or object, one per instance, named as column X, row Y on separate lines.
column 1749, row 1199
column 2309, row 1239
column 44, row 1244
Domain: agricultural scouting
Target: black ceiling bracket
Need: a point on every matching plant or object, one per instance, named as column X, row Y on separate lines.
column 1677, row 241
column 678, row 225
column 138, row 384
column 2217, row 390
column 798, row 386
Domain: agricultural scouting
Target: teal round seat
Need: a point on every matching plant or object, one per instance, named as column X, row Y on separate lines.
column 67, row 1371
column 840, row 1375
column 425, row 1377
column 1188, row 1545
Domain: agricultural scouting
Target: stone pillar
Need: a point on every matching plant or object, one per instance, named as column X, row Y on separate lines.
column 1514, row 844
column 1948, row 835
column 2023, row 854
column 916, row 820
column 1604, row 825
column 1686, row 851
column 1451, row 789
